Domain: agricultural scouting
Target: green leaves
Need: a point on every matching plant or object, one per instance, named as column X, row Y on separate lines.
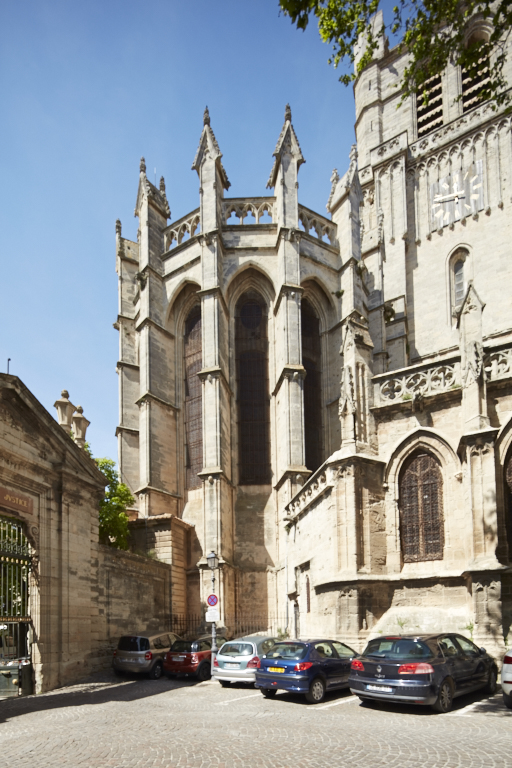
column 434, row 33
column 112, row 514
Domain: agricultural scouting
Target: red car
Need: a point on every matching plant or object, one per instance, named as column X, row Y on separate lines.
column 191, row 657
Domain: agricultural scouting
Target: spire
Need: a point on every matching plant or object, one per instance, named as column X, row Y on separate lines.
column 142, row 165
column 208, row 146
column 118, row 226
column 147, row 189
column 287, row 143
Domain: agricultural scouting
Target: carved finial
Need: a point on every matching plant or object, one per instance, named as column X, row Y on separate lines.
column 206, row 116
column 79, row 409
column 118, row 226
column 64, row 393
column 334, row 177
column 353, row 153
column 288, row 113
column 162, row 185
column 142, row 165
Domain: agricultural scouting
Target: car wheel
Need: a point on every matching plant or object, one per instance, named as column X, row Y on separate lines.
column 444, row 701
column 224, row 683
column 507, row 700
column 316, row 692
column 204, row 673
column 492, row 683
column 268, row 693
column 156, row 672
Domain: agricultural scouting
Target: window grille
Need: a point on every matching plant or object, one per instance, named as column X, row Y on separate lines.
column 508, row 478
column 311, row 360
column 429, row 115
column 421, row 510
column 193, row 399
column 473, row 87
column 308, row 595
column 253, row 399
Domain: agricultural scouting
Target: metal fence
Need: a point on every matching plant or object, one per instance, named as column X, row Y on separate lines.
column 239, row 625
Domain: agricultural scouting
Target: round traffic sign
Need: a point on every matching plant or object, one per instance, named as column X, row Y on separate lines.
column 212, row 600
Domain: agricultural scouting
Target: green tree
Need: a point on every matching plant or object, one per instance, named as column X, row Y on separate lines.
column 113, row 518
column 434, row 32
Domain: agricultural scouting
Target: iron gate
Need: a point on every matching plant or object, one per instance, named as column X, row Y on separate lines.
column 15, row 561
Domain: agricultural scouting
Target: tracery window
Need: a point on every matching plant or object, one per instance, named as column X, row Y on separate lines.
column 253, row 398
column 311, row 360
column 193, row 399
column 421, row 509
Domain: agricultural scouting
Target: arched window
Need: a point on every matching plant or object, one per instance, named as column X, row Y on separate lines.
column 311, row 360
column 508, row 508
column 475, row 81
column 193, row 399
column 458, row 277
column 253, row 399
column 421, row 509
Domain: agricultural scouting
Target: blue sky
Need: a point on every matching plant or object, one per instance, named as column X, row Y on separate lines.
column 87, row 88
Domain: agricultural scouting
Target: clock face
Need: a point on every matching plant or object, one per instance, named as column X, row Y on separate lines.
column 457, row 196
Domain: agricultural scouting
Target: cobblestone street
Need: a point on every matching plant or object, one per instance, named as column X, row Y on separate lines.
column 107, row 722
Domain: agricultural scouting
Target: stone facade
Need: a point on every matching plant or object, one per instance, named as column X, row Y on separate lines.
column 386, row 504
column 82, row 595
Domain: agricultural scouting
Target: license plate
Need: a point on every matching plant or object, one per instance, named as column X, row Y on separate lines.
column 275, row 669
column 381, row 688
column 178, row 658
column 230, row 665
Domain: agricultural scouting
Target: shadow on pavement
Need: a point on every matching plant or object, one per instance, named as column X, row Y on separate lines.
column 98, row 689
column 481, row 704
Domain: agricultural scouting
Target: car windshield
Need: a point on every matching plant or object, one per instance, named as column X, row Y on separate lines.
column 237, row 649
column 182, row 645
column 397, row 648
column 129, row 643
column 293, row 651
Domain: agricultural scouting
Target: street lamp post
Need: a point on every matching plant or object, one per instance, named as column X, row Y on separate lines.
column 213, row 563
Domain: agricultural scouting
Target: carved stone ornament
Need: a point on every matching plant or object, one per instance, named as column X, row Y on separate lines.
column 346, row 403
column 474, row 364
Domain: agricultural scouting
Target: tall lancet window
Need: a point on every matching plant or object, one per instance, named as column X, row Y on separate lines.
column 311, row 360
column 253, row 399
column 421, row 509
column 193, row 399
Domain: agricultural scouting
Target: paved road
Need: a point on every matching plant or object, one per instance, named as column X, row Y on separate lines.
column 179, row 724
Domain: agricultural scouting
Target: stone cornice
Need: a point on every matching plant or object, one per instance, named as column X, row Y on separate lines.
column 149, row 321
column 150, row 396
column 286, row 288
column 215, row 289
column 152, row 489
column 289, row 474
column 289, row 372
column 217, row 372
column 131, row 430
column 124, row 364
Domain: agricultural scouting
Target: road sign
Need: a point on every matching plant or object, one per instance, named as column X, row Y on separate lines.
column 212, row 600
column 212, row 615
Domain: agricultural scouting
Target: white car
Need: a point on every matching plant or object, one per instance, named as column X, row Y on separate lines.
column 506, row 678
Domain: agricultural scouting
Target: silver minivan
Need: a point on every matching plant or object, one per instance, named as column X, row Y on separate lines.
column 143, row 653
column 238, row 660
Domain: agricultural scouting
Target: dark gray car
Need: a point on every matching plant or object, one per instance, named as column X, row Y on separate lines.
column 414, row 669
column 143, row 653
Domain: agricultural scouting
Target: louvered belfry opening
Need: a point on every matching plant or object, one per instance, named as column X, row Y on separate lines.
column 193, row 399
column 473, row 86
column 252, row 390
column 312, row 362
column 421, row 509
column 430, row 115
column 508, row 522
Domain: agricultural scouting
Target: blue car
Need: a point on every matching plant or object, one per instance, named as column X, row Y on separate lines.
column 310, row 667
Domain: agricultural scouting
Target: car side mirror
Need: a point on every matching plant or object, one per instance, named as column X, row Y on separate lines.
column 482, row 651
